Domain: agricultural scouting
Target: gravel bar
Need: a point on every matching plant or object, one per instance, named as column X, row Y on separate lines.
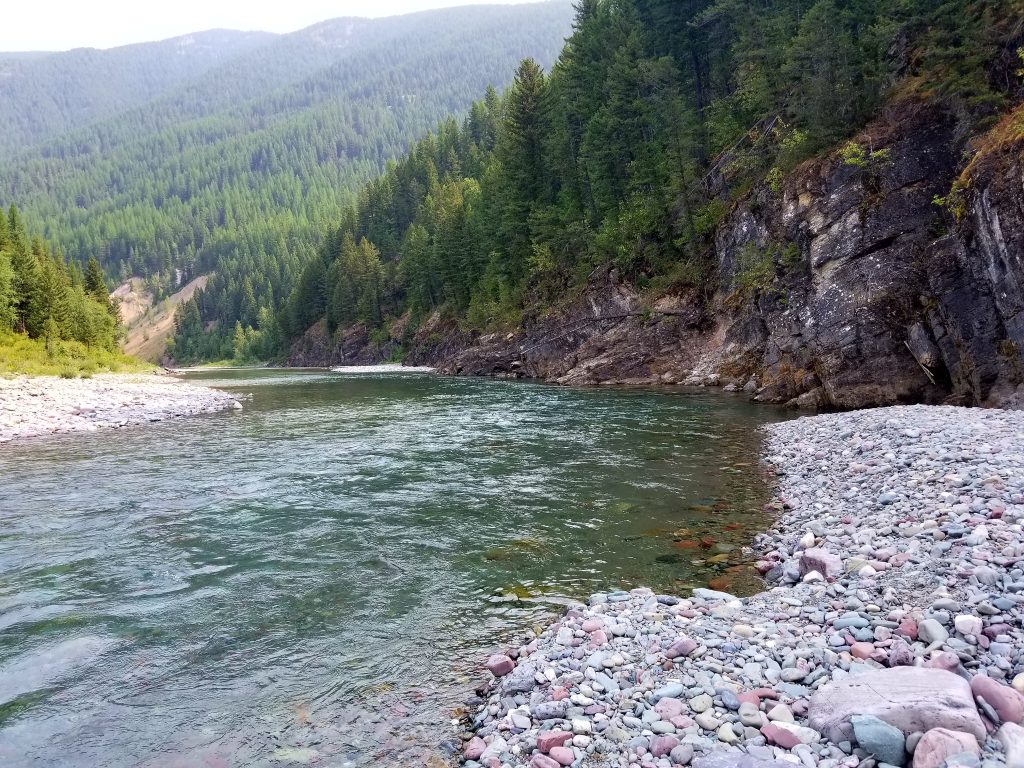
column 33, row 406
column 890, row 631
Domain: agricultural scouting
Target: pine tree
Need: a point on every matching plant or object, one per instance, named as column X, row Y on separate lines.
column 94, row 281
column 824, row 65
column 8, row 313
column 520, row 152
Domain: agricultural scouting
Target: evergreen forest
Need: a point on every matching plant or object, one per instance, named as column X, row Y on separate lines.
column 656, row 117
column 239, row 161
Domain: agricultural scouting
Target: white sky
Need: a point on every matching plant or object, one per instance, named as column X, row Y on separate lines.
column 57, row 25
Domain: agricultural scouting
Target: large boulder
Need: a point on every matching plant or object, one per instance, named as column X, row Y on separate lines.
column 821, row 560
column 912, row 699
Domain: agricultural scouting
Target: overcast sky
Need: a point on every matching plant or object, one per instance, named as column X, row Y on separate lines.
column 58, row 25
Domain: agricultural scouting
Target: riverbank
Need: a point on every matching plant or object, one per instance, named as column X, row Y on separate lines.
column 892, row 633
column 35, row 406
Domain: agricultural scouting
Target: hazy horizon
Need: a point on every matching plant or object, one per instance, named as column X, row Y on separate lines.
column 32, row 28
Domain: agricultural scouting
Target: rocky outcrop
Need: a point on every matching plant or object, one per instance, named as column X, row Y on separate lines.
column 848, row 287
column 605, row 335
column 875, row 306
column 318, row 348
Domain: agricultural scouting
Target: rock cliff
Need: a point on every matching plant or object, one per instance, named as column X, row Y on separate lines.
column 846, row 286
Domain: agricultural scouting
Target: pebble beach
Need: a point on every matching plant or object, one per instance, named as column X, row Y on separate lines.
column 889, row 631
column 37, row 406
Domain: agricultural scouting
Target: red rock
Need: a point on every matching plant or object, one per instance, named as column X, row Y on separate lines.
column 662, row 745
column 669, row 708
column 500, row 665
column 899, row 559
column 900, row 654
column 598, row 638
column 946, row 660
column 941, row 743
column 686, row 544
column 821, row 560
column 765, row 693
column 862, row 650
column 543, row 761
column 682, row 722
column 1006, row 701
column 563, row 755
column 908, row 629
column 684, row 646
column 749, row 697
column 779, row 736
column 592, row 625
column 997, row 629
column 559, row 693
column 547, row 740
column 475, row 748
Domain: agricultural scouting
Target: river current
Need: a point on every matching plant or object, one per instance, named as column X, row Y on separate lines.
column 318, row 578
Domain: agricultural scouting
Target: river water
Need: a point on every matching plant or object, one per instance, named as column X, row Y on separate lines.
column 318, row 578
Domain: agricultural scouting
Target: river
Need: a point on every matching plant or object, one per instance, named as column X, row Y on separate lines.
column 318, row 578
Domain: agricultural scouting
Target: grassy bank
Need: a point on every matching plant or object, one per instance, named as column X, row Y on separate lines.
column 70, row 359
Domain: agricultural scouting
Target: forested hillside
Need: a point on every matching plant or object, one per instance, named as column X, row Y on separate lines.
column 47, row 94
column 658, row 118
column 43, row 298
column 240, row 170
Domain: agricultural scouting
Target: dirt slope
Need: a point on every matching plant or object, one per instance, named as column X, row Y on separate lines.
column 149, row 325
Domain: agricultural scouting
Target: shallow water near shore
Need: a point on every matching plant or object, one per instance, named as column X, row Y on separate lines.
column 318, row 578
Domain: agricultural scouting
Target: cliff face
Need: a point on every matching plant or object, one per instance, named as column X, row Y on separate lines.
column 883, row 305
column 845, row 287
column 317, row 348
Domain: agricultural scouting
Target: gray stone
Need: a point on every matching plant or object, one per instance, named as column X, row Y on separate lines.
column 930, row 631
column 669, row 691
column 681, row 755
column 711, row 594
column 880, row 739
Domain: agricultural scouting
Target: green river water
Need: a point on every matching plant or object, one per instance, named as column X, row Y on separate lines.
column 318, row 578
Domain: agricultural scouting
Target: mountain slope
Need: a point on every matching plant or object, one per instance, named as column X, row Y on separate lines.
column 43, row 95
column 254, row 156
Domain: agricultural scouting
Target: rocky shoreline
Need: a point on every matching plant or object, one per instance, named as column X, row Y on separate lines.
column 890, row 633
column 36, row 406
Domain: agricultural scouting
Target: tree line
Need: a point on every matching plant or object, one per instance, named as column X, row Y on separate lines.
column 44, row 296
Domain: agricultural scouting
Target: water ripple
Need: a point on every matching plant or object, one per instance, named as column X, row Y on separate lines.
column 320, row 576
